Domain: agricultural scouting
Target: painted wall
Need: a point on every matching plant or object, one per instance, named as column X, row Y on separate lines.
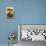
column 6, row 25
column 27, row 12
column 31, row 11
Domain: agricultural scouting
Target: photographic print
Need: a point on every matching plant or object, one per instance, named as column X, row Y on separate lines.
column 31, row 33
column 10, row 12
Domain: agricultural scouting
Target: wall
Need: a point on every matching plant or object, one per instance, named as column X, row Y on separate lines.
column 31, row 11
column 7, row 25
column 27, row 12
